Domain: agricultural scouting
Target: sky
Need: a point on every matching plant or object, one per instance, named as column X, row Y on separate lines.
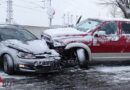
column 30, row 12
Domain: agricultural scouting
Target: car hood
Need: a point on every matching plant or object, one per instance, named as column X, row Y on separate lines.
column 67, row 35
column 35, row 46
column 70, row 39
column 62, row 32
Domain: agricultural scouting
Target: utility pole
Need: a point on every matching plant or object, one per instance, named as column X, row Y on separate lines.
column 50, row 10
column 9, row 19
column 50, row 19
column 50, row 3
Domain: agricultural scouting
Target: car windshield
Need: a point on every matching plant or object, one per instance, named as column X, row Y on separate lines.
column 22, row 34
column 87, row 25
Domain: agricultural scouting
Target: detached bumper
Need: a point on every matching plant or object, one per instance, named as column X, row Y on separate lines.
column 39, row 65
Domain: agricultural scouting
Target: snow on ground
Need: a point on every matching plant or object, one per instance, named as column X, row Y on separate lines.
column 112, row 69
column 122, row 73
column 117, row 74
column 112, row 74
column 97, row 78
column 6, row 76
column 104, row 69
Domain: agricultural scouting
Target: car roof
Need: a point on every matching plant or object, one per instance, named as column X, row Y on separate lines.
column 16, row 27
column 110, row 19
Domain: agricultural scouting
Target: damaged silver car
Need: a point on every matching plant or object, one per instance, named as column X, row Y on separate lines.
column 20, row 50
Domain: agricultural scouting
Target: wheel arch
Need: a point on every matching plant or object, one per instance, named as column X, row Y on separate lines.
column 80, row 45
column 2, row 56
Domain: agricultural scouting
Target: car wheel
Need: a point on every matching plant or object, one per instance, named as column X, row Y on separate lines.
column 82, row 58
column 8, row 64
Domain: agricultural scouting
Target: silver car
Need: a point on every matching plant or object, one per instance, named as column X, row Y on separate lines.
column 20, row 50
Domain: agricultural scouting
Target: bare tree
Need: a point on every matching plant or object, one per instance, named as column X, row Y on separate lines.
column 118, row 5
column 114, row 11
column 113, row 6
column 124, row 5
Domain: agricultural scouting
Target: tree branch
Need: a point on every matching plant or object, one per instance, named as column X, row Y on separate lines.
column 123, row 4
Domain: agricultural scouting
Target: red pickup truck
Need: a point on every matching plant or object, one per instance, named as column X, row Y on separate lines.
column 92, row 39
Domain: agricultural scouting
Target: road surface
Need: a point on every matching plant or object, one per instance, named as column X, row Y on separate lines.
column 98, row 77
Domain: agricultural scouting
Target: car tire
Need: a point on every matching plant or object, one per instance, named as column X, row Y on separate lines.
column 82, row 58
column 8, row 64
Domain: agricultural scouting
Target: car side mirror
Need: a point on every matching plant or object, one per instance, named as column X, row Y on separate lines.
column 100, row 33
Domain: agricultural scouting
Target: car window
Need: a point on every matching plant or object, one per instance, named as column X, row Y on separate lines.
column 87, row 25
column 109, row 28
column 125, row 28
column 8, row 34
column 23, row 35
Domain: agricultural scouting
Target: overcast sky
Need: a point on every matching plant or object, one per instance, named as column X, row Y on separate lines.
column 29, row 12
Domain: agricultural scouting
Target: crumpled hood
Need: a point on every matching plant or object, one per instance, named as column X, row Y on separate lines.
column 62, row 32
column 67, row 35
column 35, row 46
column 86, row 38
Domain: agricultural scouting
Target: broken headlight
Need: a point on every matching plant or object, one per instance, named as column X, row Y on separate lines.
column 25, row 55
column 58, row 43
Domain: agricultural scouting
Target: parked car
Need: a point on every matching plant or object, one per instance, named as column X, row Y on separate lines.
column 20, row 50
column 91, row 40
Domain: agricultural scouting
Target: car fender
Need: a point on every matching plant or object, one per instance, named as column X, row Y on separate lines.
column 81, row 45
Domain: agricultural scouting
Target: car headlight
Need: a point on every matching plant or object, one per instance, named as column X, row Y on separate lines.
column 25, row 55
column 58, row 43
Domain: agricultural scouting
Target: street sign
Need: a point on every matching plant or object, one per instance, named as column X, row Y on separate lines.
column 50, row 12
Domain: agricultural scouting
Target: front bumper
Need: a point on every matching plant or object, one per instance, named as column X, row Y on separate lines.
column 46, row 65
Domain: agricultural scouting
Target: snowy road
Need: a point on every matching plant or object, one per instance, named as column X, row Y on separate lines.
column 98, row 77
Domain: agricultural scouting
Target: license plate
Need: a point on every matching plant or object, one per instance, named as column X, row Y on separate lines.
column 43, row 63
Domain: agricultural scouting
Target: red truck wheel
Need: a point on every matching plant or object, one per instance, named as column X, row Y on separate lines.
column 82, row 58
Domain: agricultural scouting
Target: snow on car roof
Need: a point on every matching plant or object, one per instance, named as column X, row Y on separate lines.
column 110, row 19
column 11, row 26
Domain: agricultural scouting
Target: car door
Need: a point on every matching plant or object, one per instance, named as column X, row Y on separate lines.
column 125, row 32
column 109, row 45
